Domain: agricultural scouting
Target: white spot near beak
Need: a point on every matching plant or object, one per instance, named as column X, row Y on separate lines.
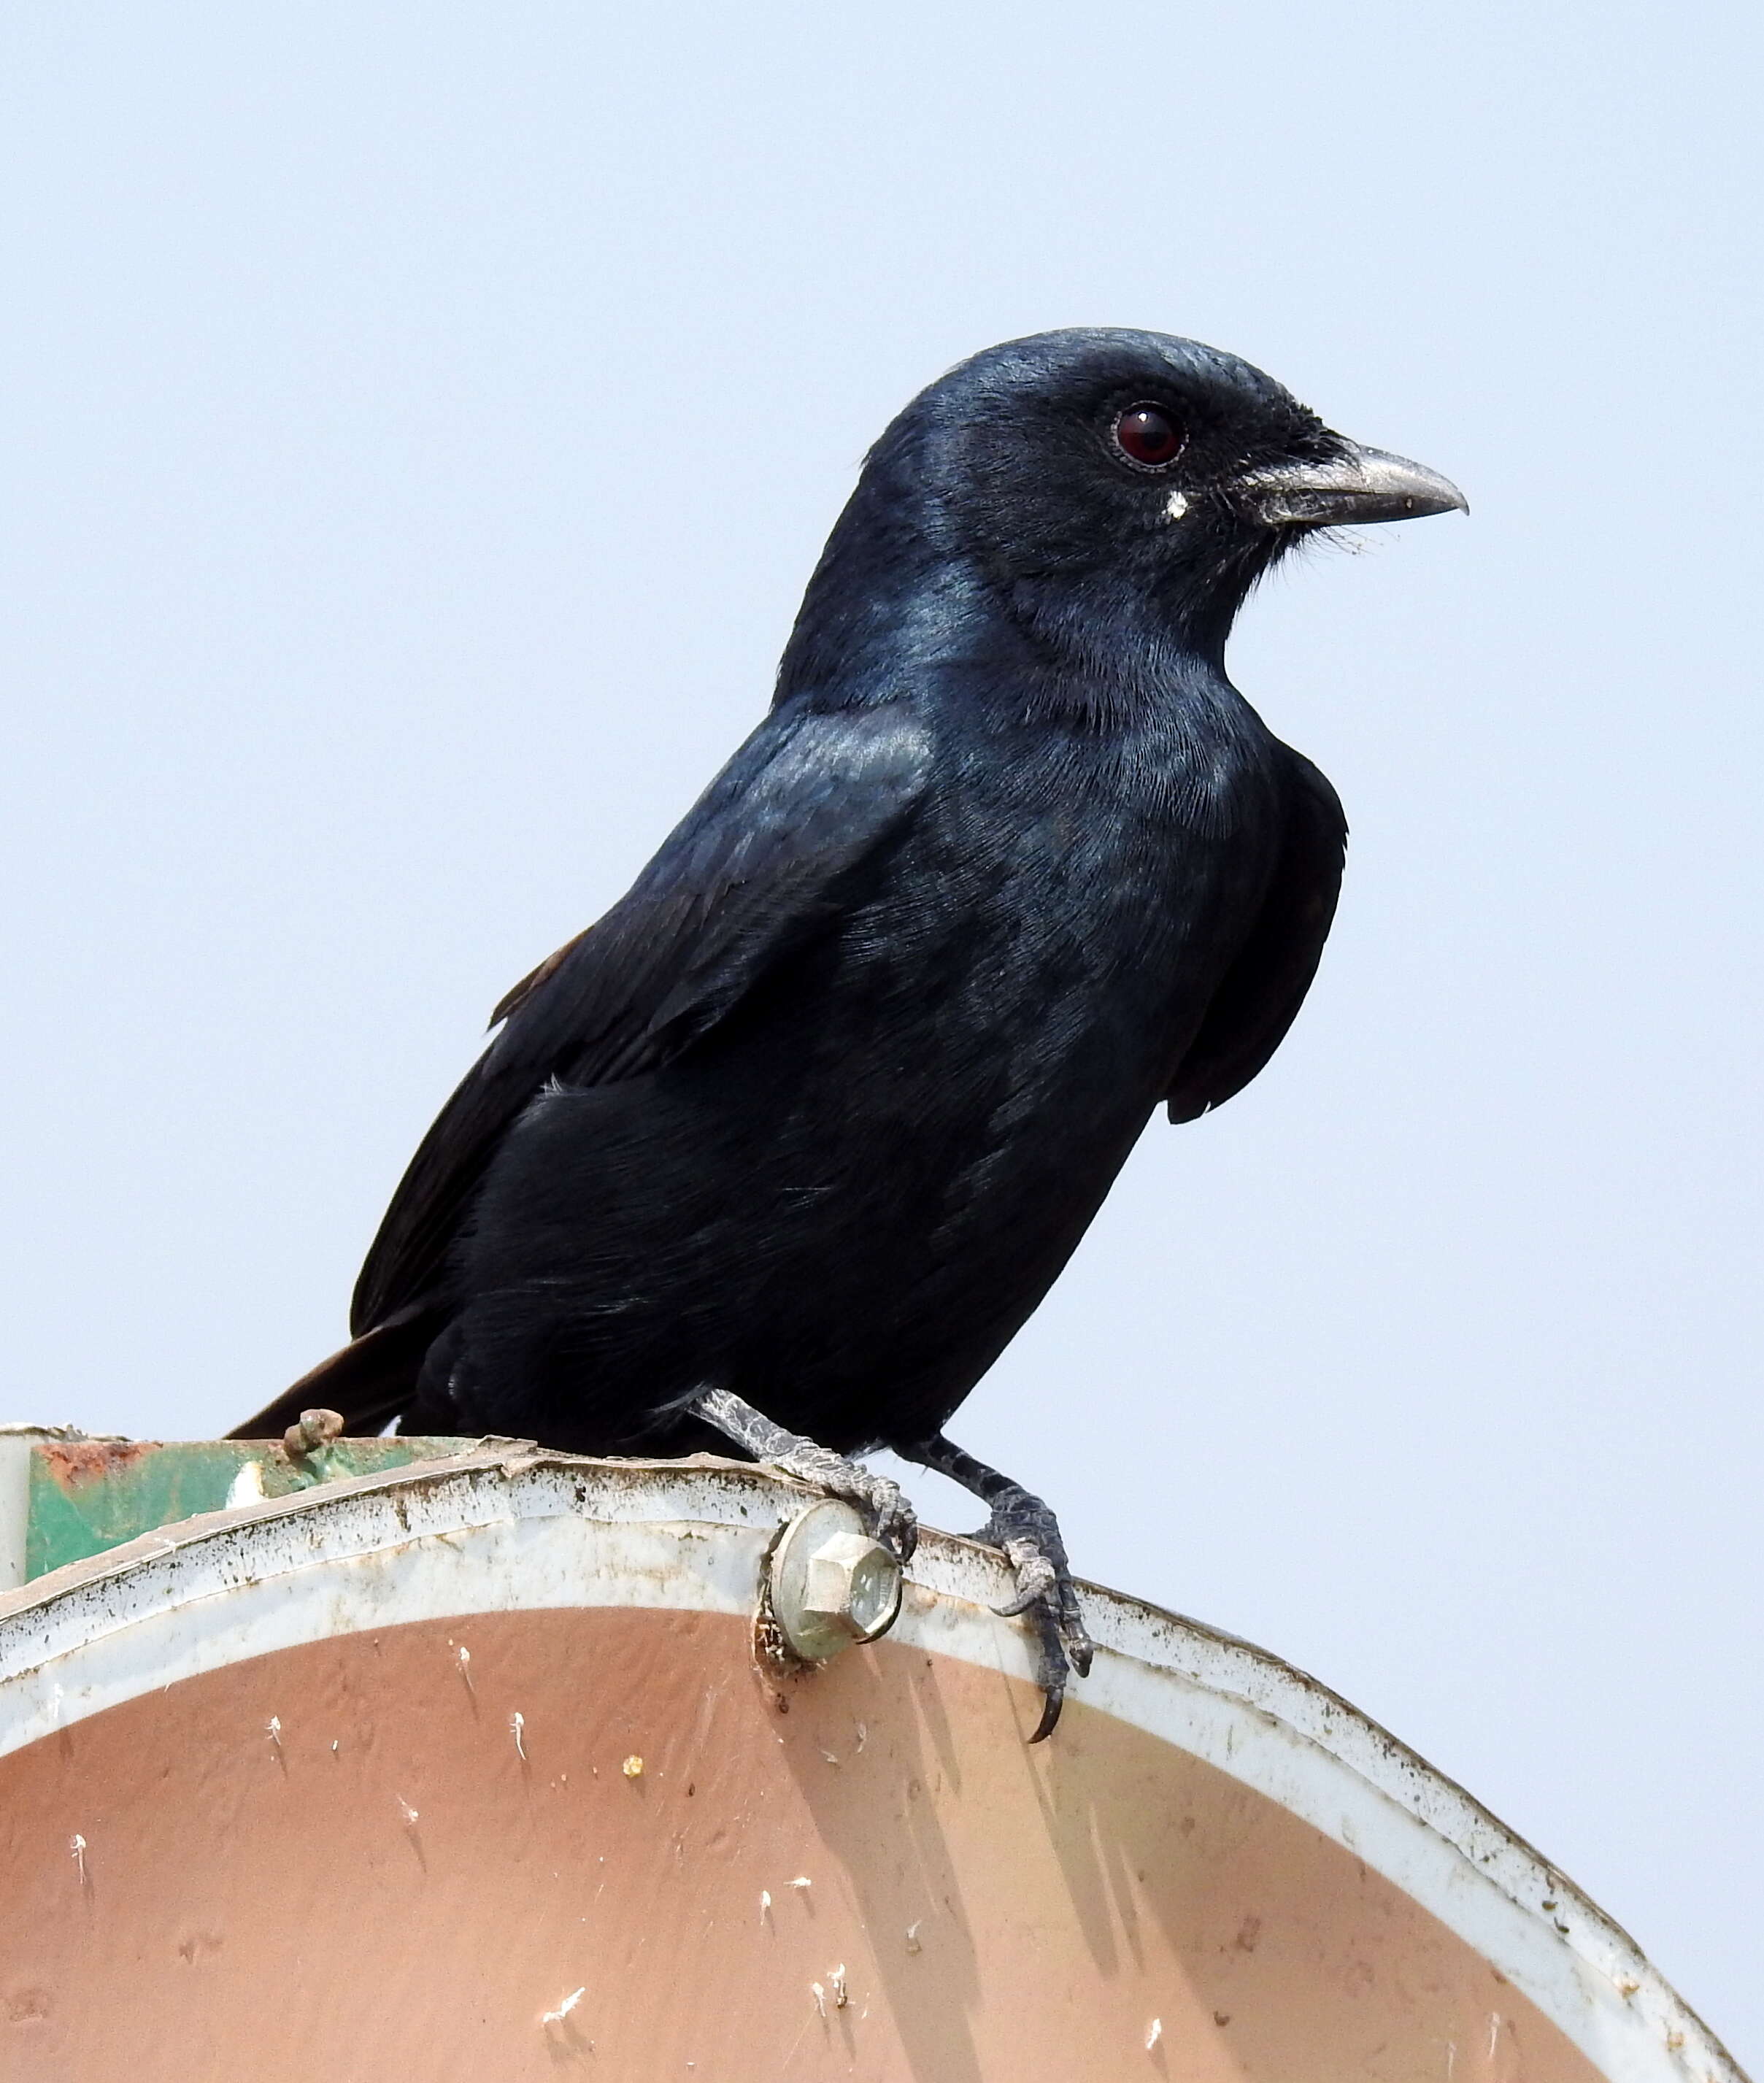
column 1176, row 506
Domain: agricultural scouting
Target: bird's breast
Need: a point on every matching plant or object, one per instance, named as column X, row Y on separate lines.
column 1053, row 930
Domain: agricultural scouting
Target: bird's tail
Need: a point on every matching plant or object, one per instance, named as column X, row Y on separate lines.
column 372, row 1380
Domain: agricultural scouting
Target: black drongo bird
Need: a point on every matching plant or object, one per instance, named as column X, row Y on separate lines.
column 784, row 1149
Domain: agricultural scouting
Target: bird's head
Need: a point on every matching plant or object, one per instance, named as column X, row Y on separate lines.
column 1094, row 479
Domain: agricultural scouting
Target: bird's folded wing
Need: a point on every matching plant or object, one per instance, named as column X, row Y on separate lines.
column 782, row 842
column 1260, row 994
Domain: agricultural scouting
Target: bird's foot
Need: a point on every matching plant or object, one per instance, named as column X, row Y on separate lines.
column 886, row 1511
column 1026, row 1532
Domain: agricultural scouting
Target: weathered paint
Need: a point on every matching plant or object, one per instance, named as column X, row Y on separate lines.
column 83, row 1496
column 350, row 1775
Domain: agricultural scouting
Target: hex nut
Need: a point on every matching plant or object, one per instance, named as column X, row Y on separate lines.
column 831, row 1583
column 853, row 1583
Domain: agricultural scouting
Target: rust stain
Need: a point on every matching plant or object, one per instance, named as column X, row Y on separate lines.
column 72, row 1462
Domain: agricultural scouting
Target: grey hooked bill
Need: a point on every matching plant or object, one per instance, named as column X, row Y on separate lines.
column 1359, row 485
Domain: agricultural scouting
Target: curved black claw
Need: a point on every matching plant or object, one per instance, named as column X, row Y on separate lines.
column 887, row 1511
column 1027, row 1534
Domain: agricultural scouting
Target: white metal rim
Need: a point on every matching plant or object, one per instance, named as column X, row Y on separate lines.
column 514, row 1530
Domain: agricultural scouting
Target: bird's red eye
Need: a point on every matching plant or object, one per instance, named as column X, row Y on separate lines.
column 1146, row 434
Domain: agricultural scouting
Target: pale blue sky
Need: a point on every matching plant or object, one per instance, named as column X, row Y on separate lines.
column 419, row 423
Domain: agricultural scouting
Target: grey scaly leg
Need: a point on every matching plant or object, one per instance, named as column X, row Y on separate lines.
column 892, row 1519
column 1026, row 1531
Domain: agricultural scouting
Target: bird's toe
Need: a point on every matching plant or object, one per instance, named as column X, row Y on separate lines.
column 886, row 1509
column 1038, row 1577
column 894, row 1522
column 1023, row 1529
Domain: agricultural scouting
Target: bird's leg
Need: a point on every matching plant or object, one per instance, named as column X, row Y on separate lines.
column 1026, row 1532
column 890, row 1517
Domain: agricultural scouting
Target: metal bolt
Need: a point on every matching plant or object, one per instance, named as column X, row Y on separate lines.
column 854, row 1584
column 832, row 1584
column 316, row 1428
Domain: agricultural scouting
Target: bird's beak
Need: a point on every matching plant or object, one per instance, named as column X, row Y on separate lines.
column 1361, row 484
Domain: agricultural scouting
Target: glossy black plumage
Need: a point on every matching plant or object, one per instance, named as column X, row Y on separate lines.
column 818, row 1110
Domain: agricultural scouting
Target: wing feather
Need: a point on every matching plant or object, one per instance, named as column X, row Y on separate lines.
column 778, row 846
column 1261, row 992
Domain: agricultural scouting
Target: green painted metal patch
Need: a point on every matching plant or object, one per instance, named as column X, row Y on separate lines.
column 86, row 1495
